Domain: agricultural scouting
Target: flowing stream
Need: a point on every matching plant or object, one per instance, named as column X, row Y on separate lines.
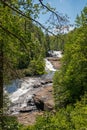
column 21, row 91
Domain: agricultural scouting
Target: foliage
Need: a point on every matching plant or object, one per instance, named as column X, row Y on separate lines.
column 69, row 118
column 6, row 102
column 23, row 41
column 9, row 123
column 70, row 83
column 58, row 42
column 82, row 19
column 37, row 66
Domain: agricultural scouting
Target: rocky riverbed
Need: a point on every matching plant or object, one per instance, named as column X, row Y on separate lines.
column 44, row 102
column 35, row 94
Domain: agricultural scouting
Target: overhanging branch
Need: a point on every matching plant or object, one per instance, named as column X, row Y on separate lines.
column 9, row 32
column 58, row 16
column 24, row 15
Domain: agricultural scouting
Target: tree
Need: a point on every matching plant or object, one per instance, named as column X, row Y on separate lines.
column 82, row 19
column 1, row 80
column 69, row 118
column 71, row 84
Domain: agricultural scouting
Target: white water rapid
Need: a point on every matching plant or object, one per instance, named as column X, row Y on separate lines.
column 28, row 87
column 55, row 54
column 49, row 66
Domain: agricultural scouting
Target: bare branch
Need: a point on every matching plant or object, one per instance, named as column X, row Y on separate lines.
column 59, row 18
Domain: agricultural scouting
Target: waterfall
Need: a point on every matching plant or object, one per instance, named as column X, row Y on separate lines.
column 28, row 86
column 48, row 66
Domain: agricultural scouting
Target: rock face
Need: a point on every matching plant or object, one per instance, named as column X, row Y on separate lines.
column 43, row 99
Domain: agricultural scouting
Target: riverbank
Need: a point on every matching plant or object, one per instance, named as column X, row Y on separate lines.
column 43, row 97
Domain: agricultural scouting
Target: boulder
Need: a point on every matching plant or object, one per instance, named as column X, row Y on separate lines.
column 39, row 103
column 49, row 105
column 43, row 99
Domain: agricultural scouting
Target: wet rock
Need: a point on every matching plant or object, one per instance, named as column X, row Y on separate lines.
column 37, row 85
column 27, row 109
column 30, row 102
column 44, row 82
column 25, row 102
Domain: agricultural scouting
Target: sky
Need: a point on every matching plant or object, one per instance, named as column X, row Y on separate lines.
column 69, row 7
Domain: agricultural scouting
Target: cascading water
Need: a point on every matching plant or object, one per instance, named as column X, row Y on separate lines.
column 49, row 67
column 55, row 54
column 27, row 87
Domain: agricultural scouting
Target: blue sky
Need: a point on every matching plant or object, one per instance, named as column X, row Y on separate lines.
column 69, row 7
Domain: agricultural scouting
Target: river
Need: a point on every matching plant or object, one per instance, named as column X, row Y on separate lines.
column 21, row 91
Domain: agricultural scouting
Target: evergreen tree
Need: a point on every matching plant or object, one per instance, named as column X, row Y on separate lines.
column 71, row 83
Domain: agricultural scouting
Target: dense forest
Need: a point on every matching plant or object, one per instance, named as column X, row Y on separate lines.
column 23, row 47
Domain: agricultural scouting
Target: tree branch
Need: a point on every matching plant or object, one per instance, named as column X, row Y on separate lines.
column 59, row 18
column 9, row 32
column 24, row 15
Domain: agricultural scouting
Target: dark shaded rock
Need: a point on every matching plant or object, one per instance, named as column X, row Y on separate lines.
column 30, row 102
column 37, row 85
column 44, row 82
column 39, row 104
column 27, row 109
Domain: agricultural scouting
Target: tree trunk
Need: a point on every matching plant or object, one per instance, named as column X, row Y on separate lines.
column 1, row 82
